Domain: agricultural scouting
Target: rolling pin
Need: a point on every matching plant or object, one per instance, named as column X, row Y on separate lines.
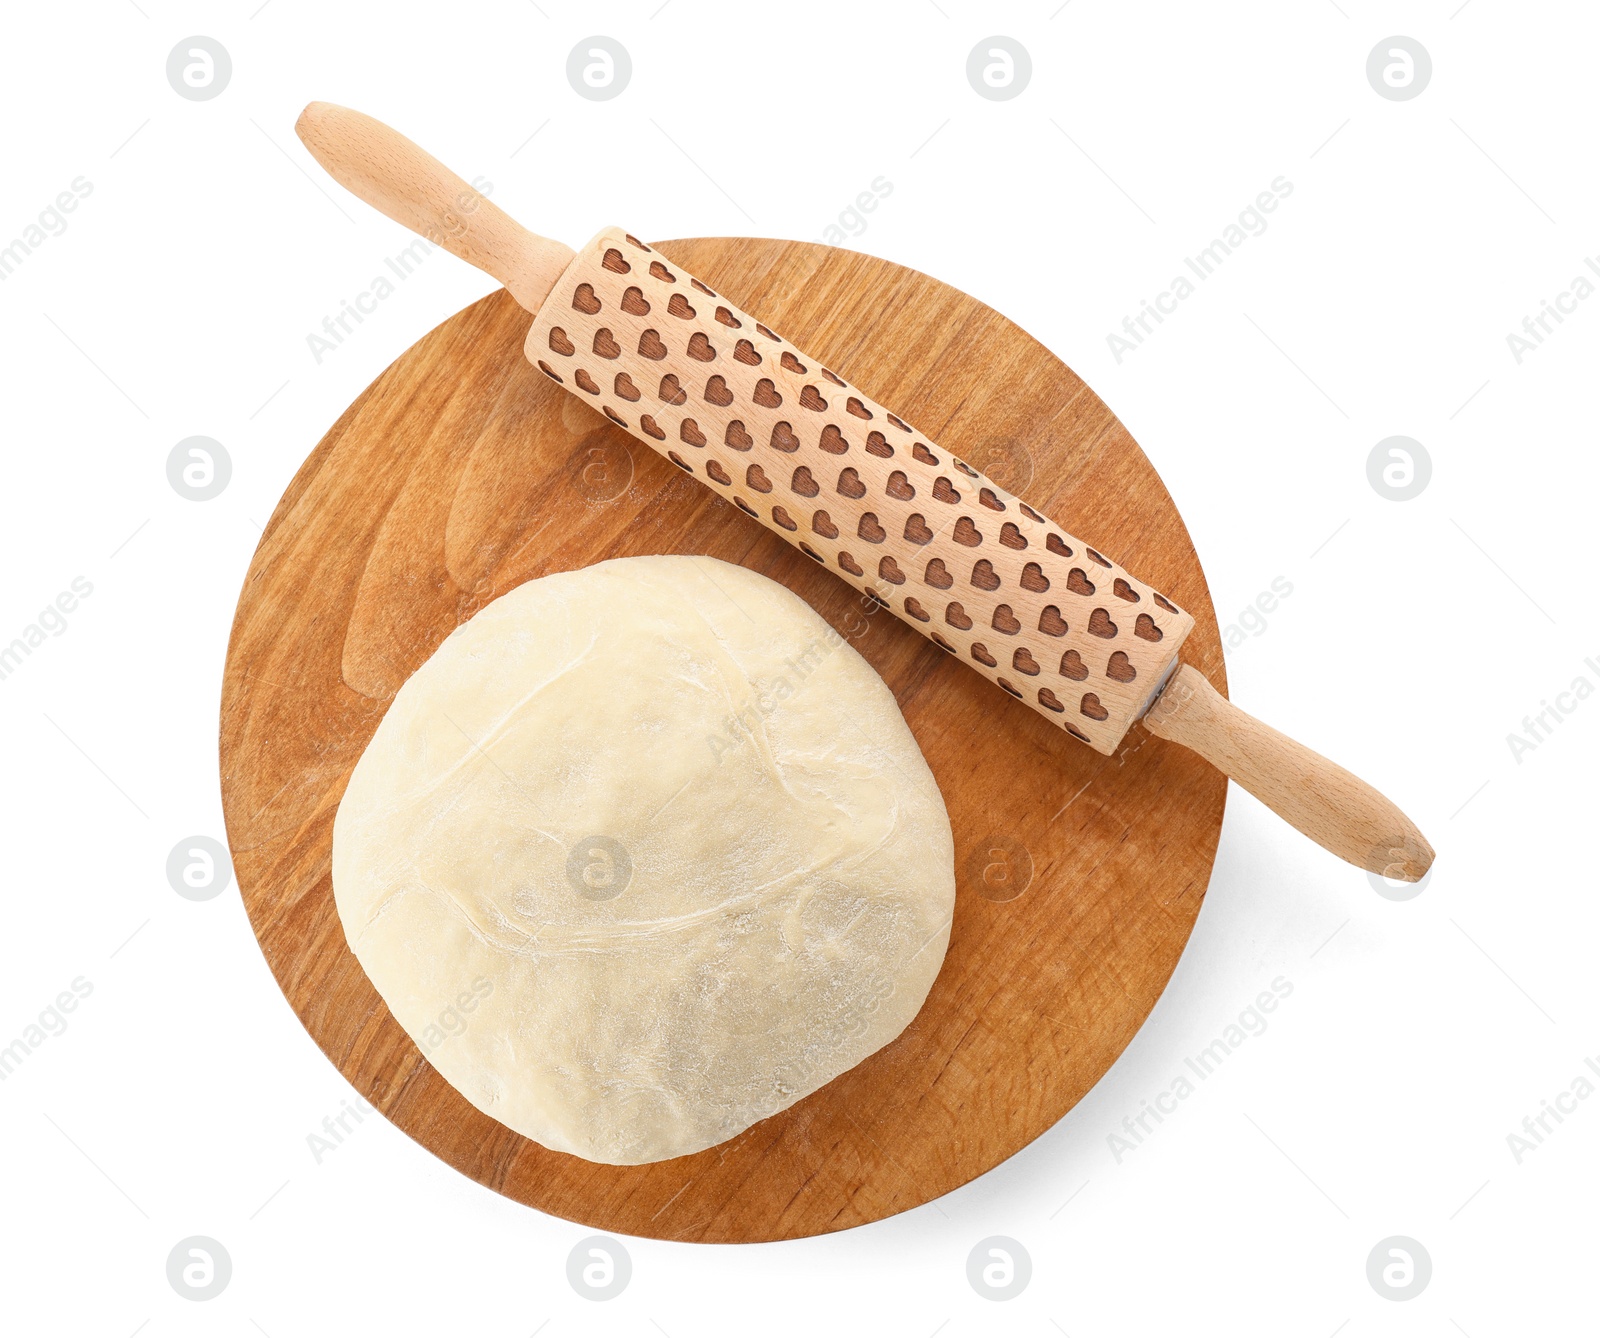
column 987, row 578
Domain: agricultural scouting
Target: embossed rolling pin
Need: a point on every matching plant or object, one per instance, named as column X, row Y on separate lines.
column 979, row 572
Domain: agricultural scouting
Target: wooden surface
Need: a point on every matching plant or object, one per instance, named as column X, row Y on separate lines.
column 462, row 471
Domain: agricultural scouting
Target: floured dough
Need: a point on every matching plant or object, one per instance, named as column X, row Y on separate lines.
column 643, row 854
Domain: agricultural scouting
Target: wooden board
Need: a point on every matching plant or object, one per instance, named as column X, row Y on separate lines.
column 462, row 472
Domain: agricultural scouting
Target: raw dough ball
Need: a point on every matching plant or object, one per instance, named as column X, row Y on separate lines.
column 643, row 854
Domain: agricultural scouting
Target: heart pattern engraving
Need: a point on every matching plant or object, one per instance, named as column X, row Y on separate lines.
column 617, row 281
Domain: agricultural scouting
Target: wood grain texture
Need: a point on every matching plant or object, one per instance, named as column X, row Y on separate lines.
column 462, row 472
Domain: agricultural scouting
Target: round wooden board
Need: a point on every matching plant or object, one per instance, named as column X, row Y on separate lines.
column 462, row 472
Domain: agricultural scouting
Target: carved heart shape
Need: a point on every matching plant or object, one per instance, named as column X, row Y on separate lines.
column 804, row 484
column 823, row 524
column 700, row 348
column 766, row 394
column 1013, row 691
column 1104, row 562
column 716, row 471
column 625, row 388
column 1057, row 545
column 984, row 575
column 550, row 371
column 944, row 491
column 1167, row 604
column 1100, row 624
column 917, row 531
column 650, row 346
column 1012, row 537
column 613, row 261
column 605, row 344
column 726, row 317
column 915, row 609
column 870, row 530
column 1033, row 578
column 737, row 437
column 811, row 552
column 956, row 616
column 850, row 565
column 784, row 518
column 745, row 507
column 649, row 427
column 966, row 533
column 832, row 441
column 835, row 379
column 788, row 361
column 810, row 399
column 1004, row 620
column 755, row 477
column 922, row 453
column 1078, row 583
column 784, row 439
column 670, row 391
column 1051, row 623
column 744, row 351
column 680, row 462
column 1145, row 628
column 941, row 643
column 987, row 498
column 878, row 445
column 694, row 282
column 856, row 407
column 850, row 484
column 660, row 271
column 889, row 569
column 717, row 392
column 1072, row 666
column 632, row 241
column 1122, row 590
column 586, row 382
column 1050, row 701
column 559, row 342
column 613, row 415
column 938, row 575
column 1119, row 668
column 1023, row 662
column 900, row 486
column 678, row 305
column 898, row 422
column 1091, row 707
column 980, row 653
column 689, row 431
column 584, row 300
column 633, row 302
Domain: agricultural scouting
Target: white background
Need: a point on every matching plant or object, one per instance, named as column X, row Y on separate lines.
column 1419, row 233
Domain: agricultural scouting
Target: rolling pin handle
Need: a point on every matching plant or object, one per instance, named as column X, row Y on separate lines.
column 415, row 189
column 1337, row 810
